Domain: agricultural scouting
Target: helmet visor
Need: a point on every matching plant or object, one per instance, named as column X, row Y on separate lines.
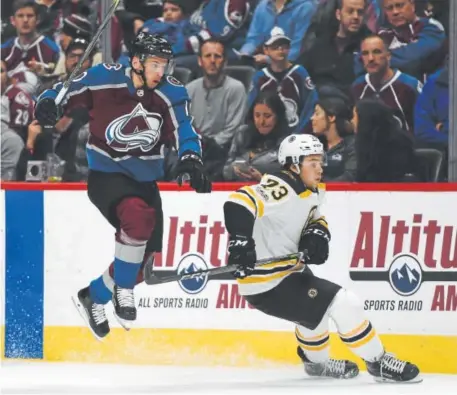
column 155, row 64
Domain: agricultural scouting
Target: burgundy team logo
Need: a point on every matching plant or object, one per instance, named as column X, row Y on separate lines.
column 139, row 129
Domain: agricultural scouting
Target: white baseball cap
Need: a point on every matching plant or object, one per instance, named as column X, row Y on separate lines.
column 277, row 34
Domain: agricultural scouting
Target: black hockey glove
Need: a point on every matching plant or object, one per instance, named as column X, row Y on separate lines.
column 314, row 242
column 47, row 112
column 242, row 254
column 190, row 165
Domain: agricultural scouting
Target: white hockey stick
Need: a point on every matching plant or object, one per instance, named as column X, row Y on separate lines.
column 92, row 44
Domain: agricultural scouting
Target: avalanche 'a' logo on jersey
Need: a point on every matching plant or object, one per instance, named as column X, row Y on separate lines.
column 139, row 129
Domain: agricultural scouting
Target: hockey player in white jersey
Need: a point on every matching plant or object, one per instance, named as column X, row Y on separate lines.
column 282, row 215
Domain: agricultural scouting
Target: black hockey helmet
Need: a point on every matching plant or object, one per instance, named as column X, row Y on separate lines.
column 147, row 44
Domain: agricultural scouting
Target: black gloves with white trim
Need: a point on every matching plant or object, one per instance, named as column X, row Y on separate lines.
column 190, row 167
column 314, row 242
column 242, row 254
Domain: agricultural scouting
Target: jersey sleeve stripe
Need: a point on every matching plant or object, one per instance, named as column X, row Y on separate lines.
column 259, row 203
column 243, row 200
column 305, row 194
column 321, row 221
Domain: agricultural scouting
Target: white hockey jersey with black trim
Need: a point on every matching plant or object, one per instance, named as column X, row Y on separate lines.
column 281, row 209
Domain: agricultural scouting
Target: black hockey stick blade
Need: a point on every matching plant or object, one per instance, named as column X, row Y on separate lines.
column 152, row 279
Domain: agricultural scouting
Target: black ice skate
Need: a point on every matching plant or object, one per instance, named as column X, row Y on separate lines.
column 92, row 313
column 334, row 368
column 124, row 306
column 390, row 369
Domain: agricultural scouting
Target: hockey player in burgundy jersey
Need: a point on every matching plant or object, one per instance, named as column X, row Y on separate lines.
column 135, row 113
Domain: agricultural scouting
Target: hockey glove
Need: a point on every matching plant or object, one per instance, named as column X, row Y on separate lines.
column 47, row 112
column 314, row 241
column 190, row 165
column 242, row 254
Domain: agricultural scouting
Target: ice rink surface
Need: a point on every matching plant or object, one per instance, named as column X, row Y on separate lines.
column 68, row 378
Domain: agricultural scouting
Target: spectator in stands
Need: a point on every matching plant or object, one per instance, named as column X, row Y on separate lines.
column 176, row 27
column 332, row 120
column 73, row 52
column 225, row 20
column 292, row 82
column 384, row 151
column 72, row 130
column 49, row 16
column 331, row 60
column 416, row 43
column 218, row 105
column 29, row 49
column 74, row 26
column 17, row 102
column 324, row 20
column 432, row 112
column 254, row 149
column 397, row 90
column 11, row 144
column 293, row 17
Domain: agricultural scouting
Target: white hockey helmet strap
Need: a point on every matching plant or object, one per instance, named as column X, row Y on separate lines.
column 297, row 146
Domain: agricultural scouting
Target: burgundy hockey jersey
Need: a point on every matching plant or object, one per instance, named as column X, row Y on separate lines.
column 400, row 94
column 42, row 50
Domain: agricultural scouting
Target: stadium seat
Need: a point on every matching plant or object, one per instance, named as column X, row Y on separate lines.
column 431, row 160
column 182, row 74
column 241, row 73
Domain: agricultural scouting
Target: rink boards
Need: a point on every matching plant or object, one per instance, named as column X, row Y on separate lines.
column 396, row 249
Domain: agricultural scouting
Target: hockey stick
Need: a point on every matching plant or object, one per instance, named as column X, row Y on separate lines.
column 152, row 279
column 92, row 44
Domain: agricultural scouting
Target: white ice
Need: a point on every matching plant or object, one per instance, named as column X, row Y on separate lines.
column 68, row 378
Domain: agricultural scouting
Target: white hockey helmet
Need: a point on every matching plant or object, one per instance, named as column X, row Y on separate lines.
column 298, row 145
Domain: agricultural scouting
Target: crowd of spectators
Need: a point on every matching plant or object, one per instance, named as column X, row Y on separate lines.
column 368, row 77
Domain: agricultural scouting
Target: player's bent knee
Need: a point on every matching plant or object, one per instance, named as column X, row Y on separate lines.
column 137, row 219
column 345, row 301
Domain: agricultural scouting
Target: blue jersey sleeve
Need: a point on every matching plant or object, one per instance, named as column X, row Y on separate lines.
column 79, row 94
column 178, row 100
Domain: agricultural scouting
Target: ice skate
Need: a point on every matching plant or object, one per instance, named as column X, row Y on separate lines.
column 124, row 306
column 334, row 368
column 390, row 369
column 92, row 313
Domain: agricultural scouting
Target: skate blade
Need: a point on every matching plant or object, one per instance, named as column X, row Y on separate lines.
column 83, row 314
column 126, row 324
column 417, row 379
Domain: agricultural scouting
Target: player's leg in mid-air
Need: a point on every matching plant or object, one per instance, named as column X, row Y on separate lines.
column 135, row 210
